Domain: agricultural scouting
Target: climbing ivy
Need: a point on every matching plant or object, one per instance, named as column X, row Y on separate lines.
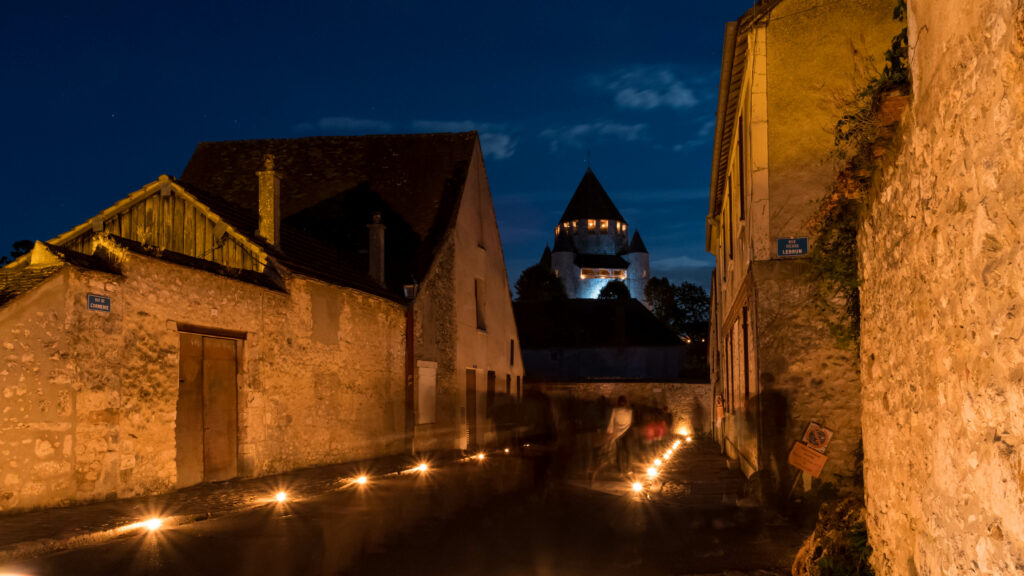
column 859, row 134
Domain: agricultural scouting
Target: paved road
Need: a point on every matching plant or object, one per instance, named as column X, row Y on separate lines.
column 685, row 523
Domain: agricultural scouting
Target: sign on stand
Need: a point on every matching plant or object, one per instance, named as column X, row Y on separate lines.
column 809, row 453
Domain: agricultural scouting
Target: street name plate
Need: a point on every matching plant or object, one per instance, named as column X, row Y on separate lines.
column 792, row 246
column 97, row 302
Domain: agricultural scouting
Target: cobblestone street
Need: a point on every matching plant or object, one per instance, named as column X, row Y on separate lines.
column 464, row 518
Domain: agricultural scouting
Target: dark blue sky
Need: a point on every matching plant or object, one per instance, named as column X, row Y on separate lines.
column 103, row 97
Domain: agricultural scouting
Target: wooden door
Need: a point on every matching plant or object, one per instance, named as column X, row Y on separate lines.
column 188, row 430
column 206, row 431
column 220, row 409
column 471, row 408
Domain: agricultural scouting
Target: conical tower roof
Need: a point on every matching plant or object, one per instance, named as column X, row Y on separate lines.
column 637, row 245
column 591, row 202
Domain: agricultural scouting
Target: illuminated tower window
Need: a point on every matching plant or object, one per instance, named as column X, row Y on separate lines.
column 591, row 224
column 604, row 226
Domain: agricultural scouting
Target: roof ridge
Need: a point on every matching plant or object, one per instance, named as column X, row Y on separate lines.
column 590, row 201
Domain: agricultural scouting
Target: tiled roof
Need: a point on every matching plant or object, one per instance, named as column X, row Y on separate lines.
column 21, row 276
column 601, row 261
column 591, row 201
column 581, row 323
column 330, row 186
column 16, row 281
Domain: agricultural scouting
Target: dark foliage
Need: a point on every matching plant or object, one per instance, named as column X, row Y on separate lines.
column 614, row 290
column 19, row 248
column 684, row 307
column 538, row 283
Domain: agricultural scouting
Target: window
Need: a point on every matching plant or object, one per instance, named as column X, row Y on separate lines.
column 426, row 392
column 574, row 225
column 728, row 218
column 591, row 224
column 604, row 226
column 481, row 303
column 742, row 169
column 746, row 358
column 508, row 384
column 512, row 352
column 491, row 378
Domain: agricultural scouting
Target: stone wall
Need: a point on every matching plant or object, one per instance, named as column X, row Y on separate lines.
column 435, row 330
column 689, row 403
column 90, row 397
column 943, row 270
column 803, row 375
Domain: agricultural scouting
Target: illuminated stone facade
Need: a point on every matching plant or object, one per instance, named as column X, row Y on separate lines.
column 166, row 342
column 943, row 268
column 774, row 365
column 593, row 247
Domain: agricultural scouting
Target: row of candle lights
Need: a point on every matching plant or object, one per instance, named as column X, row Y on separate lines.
column 655, row 468
column 280, row 497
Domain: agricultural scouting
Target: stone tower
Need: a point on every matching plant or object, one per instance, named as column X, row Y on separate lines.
column 592, row 245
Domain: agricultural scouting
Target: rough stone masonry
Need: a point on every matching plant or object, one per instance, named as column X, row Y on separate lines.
column 942, row 261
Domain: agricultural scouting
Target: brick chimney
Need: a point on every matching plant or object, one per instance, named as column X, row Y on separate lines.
column 376, row 249
column 270, row 202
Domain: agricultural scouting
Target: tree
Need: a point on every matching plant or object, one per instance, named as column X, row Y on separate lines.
column 684, row 307
column 538, row 283
column 19, row 248
column 614, row 290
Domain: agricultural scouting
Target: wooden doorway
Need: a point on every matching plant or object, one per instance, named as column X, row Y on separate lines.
column 471, row 442
column 206, row 433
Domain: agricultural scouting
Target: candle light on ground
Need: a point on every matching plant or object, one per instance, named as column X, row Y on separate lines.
column 638, row 487
column 362, row 480
column 281, row 496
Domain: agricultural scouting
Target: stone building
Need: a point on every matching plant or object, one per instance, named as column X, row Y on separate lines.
column 593, row 247
column 586, row 349
column 285, row 303
column 942, row 266
column 774, row 365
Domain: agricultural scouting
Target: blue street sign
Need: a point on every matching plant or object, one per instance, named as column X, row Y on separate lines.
column 792, row 246
column 97, row 302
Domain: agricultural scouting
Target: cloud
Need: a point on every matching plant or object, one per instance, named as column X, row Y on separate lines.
column 649, row 87
column 706, row 128
column 583, row 134
column 344, row 124
column 495, row 139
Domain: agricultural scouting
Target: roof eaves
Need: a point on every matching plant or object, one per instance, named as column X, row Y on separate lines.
column 733, row 67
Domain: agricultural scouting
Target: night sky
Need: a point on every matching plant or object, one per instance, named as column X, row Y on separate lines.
column 102, row 98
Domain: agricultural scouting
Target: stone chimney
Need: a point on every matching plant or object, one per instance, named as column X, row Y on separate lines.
column 376, row 249
column 270, row 202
